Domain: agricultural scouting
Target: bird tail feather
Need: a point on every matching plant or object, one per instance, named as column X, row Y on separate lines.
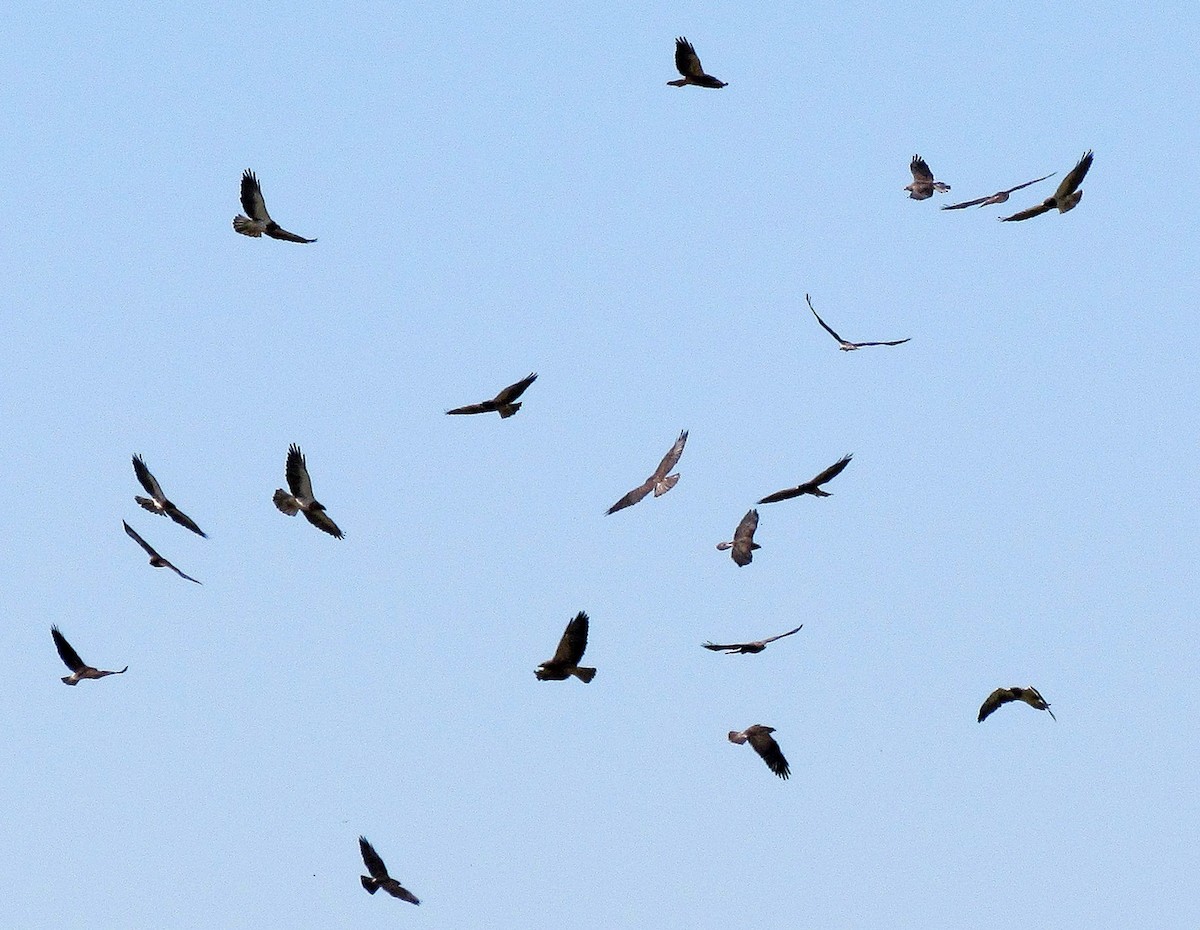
column 246, row 226
column 285, row 502
column 584, row 674
column 662, row 487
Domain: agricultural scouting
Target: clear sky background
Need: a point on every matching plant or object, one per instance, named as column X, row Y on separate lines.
column 500, row 189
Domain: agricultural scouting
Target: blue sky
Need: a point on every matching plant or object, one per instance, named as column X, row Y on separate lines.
column 513, row 189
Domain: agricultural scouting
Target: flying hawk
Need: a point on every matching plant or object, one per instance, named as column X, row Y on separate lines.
column 743, row 540
column 687, row 62
column 1006, row 695
column 502, row 403
column 843, row 344
column 1065, row 198
column 379, row 877
column 660, row 482
column 155, row 559
column 998, row 197
column 749, row 648
column 764, row 744
column 157, row 502
column 812, row 487
column 70, row 657
column 923, row 185
column 258, row 220
column 569, row 654
column 301, row 497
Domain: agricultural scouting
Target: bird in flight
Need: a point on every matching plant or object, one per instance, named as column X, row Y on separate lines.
column 379, row 877
column 743, row 542
column 753, row 648
column 502, row 403
column 687, row 62
column 569, row 654
column 923, row 185
column 1065, row 198
column 1006, row 695
column 70, row 657
column 842, row 343
column 764, row 744
column 660, row 482
column 812, row 487
column 155, row 559
column 301, row 498
column 998, row 197
column 157, row 502
column 258, row 220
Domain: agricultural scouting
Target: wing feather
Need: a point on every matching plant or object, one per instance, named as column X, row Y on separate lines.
column 297, row 475
column 631, row 498
column 487, row 406
column 573, row 643
column 513, row 391
column 824, row 325
column 69, row 656
column 252, row 198
column 371, row 859
column 133, row 534
column 832, row 471
column 1031, row 212
column 1075, row 177
column 687, row 62
column 321, row 520
column 671, row 458
column 147, row 480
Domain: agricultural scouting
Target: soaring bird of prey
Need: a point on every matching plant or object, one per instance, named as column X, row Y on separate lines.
column 749, row 648
column 687, row 62
column 569, row 654
column 157, row 502
column 301, row 498
column 79, row 670
column 660, row 482
column 743, row 542
column 998, row 197
column 764, row 744
column 1065, row 198
column 842, row 343
column 502, row 403
column 258, row 220
column 1000, row 696
column 155, row 559
column 923, row 185
column 379, row 877
column 812, row 487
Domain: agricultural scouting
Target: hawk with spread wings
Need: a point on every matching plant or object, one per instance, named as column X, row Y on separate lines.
column 748, row 648
column 812, row 486
column 569, row 654
column 157, row 502
column 1003, row 696
column 998, row 197
column 258, row 221
column 301, row 499
column 660, row 482
column 1065, row 198
column 155, row 559
column 923, row 185
column 687, row 63
column 764, row 744
column 842, row 343
column 79, row 669
column 503, row 403
column 743, row 544
column 379, row 877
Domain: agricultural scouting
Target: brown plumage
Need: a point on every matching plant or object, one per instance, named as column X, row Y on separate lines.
column 923, row 185
column 569, row 654
column 79, row 669
column 301, row 499
column 379, row 877
column 743, row 544
column 659, row 482
column 1065, row 198
column 157, row 502
column 258, row 221
column 687, row 63
column 842, row 343
column 1006, row 695
column 764, row 744
column 998, row 197
column 749, row 648
column 813, row 486
column 502, row 403
column 155, row 559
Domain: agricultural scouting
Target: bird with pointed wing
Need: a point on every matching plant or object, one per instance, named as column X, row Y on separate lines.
column 155, row 559
column 157, row 502
column 379, row 877
column 923, row 185
column 812, row 486
column 301, row 499
column 998, row 197
column 743, row 544
column 569, row 654
column 258, row 221
column 687, row 62
column 660, row 482
column 79, row 669
column 753, row 648
column 503, row 403
column 1002, row 696
column 764, row 744
column 842, row 343
column 1065, row 198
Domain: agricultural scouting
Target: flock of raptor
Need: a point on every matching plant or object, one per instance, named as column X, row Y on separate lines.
column 565, row 663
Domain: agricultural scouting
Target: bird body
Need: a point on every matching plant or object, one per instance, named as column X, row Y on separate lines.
column 764, row 744
column 301, row 499
column 569, row 654
column 1064, row 199
column 79, row 669
column 923, row 184
column 660, row 482
column 813, row 486
column 1002, row 696
column 687, row 63
column 379, row 877
column 258, row 221
column 503, row 403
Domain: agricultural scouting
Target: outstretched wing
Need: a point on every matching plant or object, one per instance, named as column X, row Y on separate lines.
column 833, row 470
column 996, row 699
column 1027, row 183
column 573, row 643
column 687, row 62
column 764, row 744
column 184, row 520
column 371, row 859
column 1031, row 212
column 297, row 474
column 669, row 460
column 275, row 231
column 513, row 391
column 894, row 342
column 743, row 538
column 181, row 574
column 973, row 203
column 771, row 639
column 632, row 497
column 824, row 325
column 920, row 170
column 320, row 519
column 1073, row 179
column 785, row 494
column 141, row 542
column 69, row 656
column 252, row 198
column 719, row 647
column 487, row 406
column 147, row 480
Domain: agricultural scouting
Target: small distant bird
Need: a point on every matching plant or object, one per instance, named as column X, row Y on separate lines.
column 1065, row 198
column 569, row 654
column 301, row 498
column 258, row 220
column 812, row 487
column 842, row 343
column 660, row 482
column 70, row 657
column 749, row 648
column 379, row 877
column 502, row 403
column 1006, row 695
column 998, row 197
column 764, row 744
column 687, row 62
column 155, row 559
column 923, row 185
column 743, row 540
column 157, row 502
